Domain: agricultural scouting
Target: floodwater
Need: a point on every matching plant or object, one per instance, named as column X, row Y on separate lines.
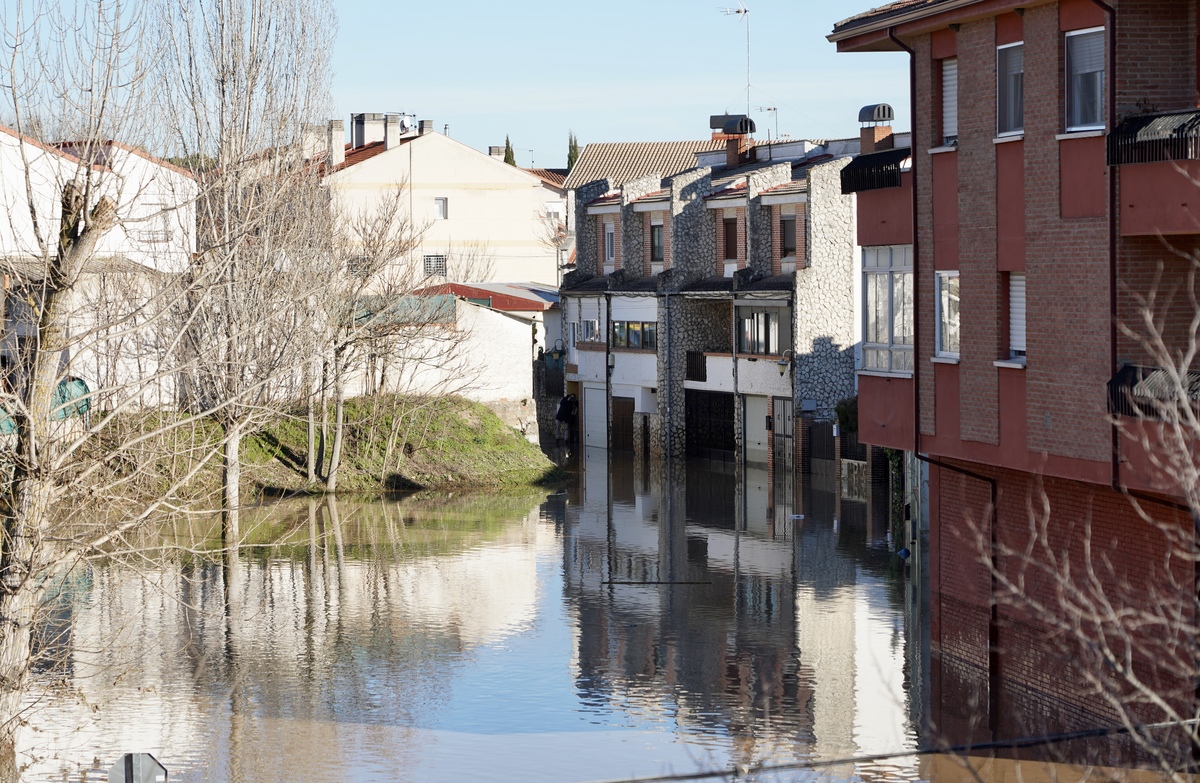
column 646, row 620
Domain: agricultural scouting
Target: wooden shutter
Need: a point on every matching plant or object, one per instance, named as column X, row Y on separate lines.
column 1016, row 313
column 949, row 99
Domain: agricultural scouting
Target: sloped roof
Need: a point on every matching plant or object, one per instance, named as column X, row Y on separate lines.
column 554, row 177
column 621, row 162
column 502, row 296
column 901, row 7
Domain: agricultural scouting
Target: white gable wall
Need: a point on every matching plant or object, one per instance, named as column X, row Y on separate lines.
column 493, row 210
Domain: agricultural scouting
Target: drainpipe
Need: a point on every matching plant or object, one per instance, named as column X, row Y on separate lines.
column 608, row 368
column 993, row 606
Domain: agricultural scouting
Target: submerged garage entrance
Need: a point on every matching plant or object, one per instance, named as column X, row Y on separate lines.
column 709, row 420
column 595, row 417
column 622, row 425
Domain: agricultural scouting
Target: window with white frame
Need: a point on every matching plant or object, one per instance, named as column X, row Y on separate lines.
column 441, row 208
column 1084, row 70
column 590, row 330
column 888, row 305
column 950, row 101
column 435, row 265
column 1010, row 88
column 610, row 244
column 947, row 314
column 763, row 330
column 1016, row 316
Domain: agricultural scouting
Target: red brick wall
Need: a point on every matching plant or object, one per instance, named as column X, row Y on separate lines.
column 776, row 239
column 667, row 240
column 885, row 215
column 1156, row 56
column 979, row 281
column 1157, row 270
column 802, row 236
column 1066, row 273
column 645, row 244
column 926, row 124
column 1075, row 527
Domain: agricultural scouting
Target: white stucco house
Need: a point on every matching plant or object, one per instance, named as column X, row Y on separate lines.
column 118, row 345
column 478, row 219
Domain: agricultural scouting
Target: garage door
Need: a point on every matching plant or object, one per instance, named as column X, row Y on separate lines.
column 595, row 418
column 756, row 430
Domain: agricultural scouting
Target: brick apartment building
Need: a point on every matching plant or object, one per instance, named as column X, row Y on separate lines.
column 1054, row 168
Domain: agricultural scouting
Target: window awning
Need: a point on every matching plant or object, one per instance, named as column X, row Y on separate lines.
column 875, row 170
column 1154, row 138
column 1146, row 392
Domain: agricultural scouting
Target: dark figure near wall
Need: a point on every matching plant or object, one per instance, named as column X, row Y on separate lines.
column 568, row 411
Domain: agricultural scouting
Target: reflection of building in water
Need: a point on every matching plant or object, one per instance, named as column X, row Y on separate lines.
column 286, row 657
column 729, row 640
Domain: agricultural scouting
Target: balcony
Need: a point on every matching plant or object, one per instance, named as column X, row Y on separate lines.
column 1159, row 156
column 885, row 411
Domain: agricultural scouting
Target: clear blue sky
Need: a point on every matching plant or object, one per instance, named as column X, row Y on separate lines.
column 650, row 70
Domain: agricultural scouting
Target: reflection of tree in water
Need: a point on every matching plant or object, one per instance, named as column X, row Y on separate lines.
column 321, row 631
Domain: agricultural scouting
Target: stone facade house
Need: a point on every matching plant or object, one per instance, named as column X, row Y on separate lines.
column 714, row 309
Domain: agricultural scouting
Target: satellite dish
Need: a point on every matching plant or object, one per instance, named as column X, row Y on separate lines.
column 405, row 123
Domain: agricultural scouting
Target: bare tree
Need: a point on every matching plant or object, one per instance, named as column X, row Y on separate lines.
column 134, row 284
column 244, row 80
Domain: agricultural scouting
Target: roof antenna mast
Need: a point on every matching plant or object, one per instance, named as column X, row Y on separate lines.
column 744, row 13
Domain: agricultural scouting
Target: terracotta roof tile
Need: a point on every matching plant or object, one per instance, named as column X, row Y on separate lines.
column 883, row 12
column 555, row 177
column 621, row 162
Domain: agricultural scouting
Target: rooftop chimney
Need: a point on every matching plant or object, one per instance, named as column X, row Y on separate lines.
column 366, row 128
column 496, row 152
column 425, row 126
column 734, row 130
column 876, row 132
column 391, row 131
column 337, row 143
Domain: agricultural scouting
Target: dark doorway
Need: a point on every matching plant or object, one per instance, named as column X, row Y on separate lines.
column 710, row 424
column 622, row 424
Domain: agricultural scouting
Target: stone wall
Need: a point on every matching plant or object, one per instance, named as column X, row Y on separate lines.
column 633, row 227
column 586, row 238
column 759, row 223
column 693, row 231
column 825, row 306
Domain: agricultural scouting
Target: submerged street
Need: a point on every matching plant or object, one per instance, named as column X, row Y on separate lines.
column 609, row 630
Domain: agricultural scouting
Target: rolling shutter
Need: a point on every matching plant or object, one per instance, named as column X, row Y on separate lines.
column 1016, row 313
column 949, row 99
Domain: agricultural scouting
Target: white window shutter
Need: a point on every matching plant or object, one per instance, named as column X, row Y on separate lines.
column 950, row 98
column 1016, row 313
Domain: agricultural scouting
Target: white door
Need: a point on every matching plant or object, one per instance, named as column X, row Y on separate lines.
column 755, row 428
column 595, row 417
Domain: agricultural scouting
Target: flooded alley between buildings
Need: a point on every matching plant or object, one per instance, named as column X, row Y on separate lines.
column 644, row 620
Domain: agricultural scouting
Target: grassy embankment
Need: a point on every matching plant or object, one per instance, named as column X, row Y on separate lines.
column 391, row 443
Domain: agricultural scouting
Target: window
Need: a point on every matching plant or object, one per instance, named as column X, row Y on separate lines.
column 1010, row 88
column 1016, row 315
column 1085, row 79
column 590, row 330
column 635, row 334
column 950, row 101
column 763, row 330
column 731, row 243
column 947, row 314
column 610, row 243
column 441, row 209
column 157, row 227
column 787, row 235
column 435, row 265
column 656, row 243
column 888, row 332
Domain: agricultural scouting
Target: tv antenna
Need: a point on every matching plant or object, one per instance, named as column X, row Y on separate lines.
column 776, row 113
column 744, row 13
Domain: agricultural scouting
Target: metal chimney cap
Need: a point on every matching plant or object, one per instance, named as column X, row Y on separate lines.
column 876, row 113
column 732, row 124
